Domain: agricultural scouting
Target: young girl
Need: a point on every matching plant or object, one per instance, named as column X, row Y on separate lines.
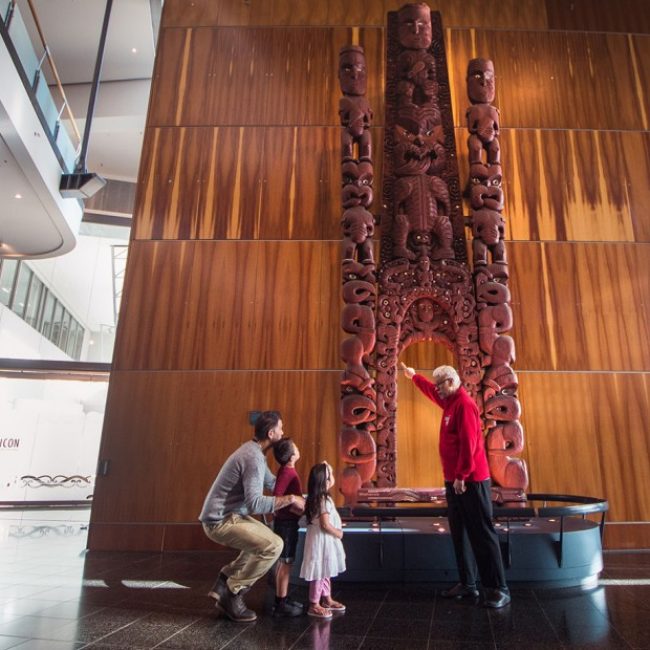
column 323, row 555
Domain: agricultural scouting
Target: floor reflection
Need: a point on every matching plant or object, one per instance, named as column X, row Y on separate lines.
column 55, row 595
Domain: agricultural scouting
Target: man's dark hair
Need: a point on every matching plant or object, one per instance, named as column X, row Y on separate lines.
column 283, row 450
column 264, row 423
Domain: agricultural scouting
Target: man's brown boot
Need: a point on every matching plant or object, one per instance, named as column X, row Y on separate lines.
column 235, row 609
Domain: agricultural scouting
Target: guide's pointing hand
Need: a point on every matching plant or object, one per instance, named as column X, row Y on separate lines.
column 408, row 372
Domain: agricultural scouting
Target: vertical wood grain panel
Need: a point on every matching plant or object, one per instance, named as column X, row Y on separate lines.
column 500, row 14
column 417, row 432
column 587, row 434
column 590, row 298
column 187, row 440
column 636, row 147
column 565, row 185
column 201, row 318
column 619, row 16
column 231, row 305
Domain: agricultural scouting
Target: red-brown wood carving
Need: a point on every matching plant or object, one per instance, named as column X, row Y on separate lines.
column 424, row 288
column 501, row 408
column 358, row 396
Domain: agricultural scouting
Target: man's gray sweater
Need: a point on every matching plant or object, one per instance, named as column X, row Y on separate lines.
column 239, row 486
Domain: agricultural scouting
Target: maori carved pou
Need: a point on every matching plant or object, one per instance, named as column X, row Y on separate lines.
column 357, row 446
column 501, row 408
column 425, row 286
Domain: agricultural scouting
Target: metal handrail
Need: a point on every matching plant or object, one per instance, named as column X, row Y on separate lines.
column 55, row 72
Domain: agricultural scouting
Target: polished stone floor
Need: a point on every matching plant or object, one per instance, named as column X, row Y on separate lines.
column 55, row 595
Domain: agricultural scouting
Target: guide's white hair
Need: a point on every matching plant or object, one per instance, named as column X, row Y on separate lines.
column 446, row 372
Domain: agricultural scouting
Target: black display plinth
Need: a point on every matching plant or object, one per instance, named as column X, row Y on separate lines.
column 537, row 551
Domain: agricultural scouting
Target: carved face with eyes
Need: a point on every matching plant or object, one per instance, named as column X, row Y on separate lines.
column 416, row 149
column 486, row 191
column 480, row 81
column 353, row 73
column 414, row 26
column 357, row 183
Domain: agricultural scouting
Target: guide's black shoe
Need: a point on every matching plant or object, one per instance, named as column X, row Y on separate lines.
column 496, row 598
column 460, row 591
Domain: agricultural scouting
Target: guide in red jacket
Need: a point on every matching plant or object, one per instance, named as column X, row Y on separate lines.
column 467, row 486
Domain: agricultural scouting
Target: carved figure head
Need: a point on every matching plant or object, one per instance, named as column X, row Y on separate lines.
column 357, row 183
column 414, row 26
column 480, row 81
column 416, row 148
column 425, row 310
column 353, row 73
column 486, row 189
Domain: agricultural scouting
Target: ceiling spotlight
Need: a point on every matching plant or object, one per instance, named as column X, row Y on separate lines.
column 18, row 196
column 134, row 50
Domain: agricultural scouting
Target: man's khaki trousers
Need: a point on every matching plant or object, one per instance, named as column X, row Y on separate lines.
column 260, row 547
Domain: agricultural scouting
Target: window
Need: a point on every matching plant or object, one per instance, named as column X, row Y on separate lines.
column 19, row 299
column 46, row 326
column 7, row 278
column 65, row 329
column 55, row 334
column 33, row 302
column 29, row 298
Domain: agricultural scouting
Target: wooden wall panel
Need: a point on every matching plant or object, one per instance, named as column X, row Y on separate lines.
column 568, row 80
column 186, row 440
column 238, row 183
column 501, row 14
column 581, row 306
column 566, row 185
column 618, row 16
column 587, row 434
column 230, row 305
column 417, row 436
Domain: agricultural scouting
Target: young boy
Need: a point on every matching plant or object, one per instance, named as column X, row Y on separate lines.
column 285, row 524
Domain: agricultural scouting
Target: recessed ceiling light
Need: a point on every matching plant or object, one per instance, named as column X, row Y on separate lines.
column 18, row 196
column 134, row 50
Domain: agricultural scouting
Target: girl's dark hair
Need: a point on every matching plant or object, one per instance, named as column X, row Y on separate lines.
column 264, row 423
column 316, row 491
column 283, row 450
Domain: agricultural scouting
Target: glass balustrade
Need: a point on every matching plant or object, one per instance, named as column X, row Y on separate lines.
column 50, row 108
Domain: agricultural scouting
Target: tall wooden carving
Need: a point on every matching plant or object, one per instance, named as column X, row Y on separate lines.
column 358, row 395
column 424, row 284
column 424, row 288
column 501, row 408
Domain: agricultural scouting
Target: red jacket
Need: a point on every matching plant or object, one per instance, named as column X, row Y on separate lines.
column 287, row 482
column 462, row 450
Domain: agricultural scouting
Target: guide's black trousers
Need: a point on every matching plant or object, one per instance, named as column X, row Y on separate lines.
column 476, row 543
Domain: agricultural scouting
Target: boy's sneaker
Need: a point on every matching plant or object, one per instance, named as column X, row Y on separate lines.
column 287, row 608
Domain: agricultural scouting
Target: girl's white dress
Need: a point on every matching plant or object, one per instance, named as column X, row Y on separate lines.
column 323, row 555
